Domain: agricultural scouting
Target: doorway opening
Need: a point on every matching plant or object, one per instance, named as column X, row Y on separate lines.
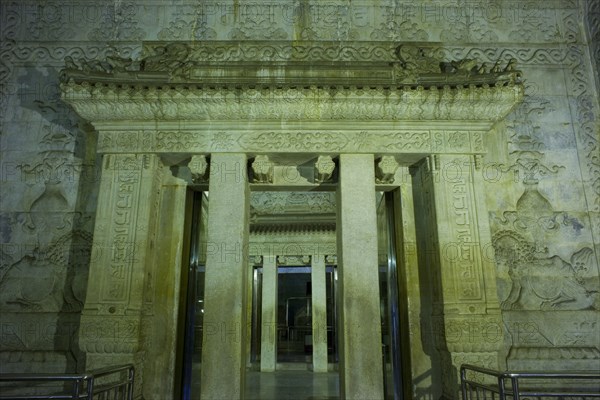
column 394, row 313
column 193, row 307
column 294, row 315
column 297, row 291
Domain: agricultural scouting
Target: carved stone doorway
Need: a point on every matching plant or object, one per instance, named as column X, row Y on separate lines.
column 191, row 114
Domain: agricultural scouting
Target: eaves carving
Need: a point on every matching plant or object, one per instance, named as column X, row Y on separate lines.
column 301, row 82
column 388, row 65
column 111, row 102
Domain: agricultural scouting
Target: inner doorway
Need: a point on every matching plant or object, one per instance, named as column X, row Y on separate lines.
column 294, row 315
column 296, row 284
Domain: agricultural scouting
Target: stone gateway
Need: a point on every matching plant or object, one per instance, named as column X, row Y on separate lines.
column 374, row 193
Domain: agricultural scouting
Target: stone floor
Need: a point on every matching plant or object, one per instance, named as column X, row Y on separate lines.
column 292, row 385
column 284, row 385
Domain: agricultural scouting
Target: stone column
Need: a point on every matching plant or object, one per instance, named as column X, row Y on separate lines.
column 223, row 355
column 467, row 319
column 122, row 261
column 361, row 374
column 319, row 313
column 268, row 341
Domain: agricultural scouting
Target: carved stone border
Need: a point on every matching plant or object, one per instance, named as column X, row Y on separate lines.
column 408, row 141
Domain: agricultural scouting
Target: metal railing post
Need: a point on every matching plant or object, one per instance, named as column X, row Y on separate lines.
column 580, row 385
column 463, row 382
column 120, row 388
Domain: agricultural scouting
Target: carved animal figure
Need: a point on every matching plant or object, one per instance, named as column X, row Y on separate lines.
column 546, row 282
column 166, row 58
column 70, row 63
column 466, row 65
column 119, row 63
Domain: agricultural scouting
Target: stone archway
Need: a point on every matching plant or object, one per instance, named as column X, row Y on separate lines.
column 226, row 104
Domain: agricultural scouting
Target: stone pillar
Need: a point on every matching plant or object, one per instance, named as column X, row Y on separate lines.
column 268, row 341
column 223, row 355
column 466, row 317
column 319, row 313
column 361, row 374
column 121, row 262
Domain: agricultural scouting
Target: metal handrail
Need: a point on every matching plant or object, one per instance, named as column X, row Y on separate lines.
column 513, row 384
column 84, row 386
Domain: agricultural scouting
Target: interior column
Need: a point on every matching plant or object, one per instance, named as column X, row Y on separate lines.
column 361, row 374
column 319, row 313
column 223, row 355
column 268, row 342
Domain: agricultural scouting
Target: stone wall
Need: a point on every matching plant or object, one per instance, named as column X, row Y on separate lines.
column 542, row 173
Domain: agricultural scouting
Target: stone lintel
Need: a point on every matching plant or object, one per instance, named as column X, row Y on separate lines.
column 414, row 144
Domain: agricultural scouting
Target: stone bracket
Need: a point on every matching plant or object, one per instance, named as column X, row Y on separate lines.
column 262, row 170
column 385, row 169
column 198, row 167
column 324, row 168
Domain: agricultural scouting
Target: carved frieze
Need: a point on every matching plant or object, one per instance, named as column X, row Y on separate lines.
column 315, row 243
column 381, row 141
column 268, row 203
column 165, row 63
column 561, row 336
column 324, row 20
column 103, row 103
column 586, row 115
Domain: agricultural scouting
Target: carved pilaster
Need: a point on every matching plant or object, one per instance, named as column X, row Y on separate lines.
column 466, row 321
column 121, row 260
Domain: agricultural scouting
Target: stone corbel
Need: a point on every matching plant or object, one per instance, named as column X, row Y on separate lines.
column 257, row 261
column 385, row 169
column 262, row 169
column 198, row 167
column 331, row 259
column 324, row 168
